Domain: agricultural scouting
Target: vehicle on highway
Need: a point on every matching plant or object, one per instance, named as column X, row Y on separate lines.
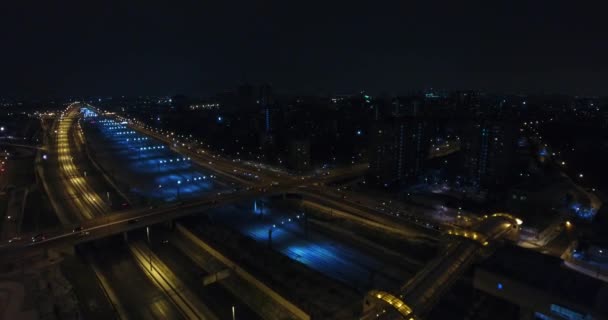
column 38, row 237
column 13, row 239
column 77, row 228
column 84, row 234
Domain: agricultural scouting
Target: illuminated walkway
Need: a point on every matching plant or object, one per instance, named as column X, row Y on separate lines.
column 419, row 294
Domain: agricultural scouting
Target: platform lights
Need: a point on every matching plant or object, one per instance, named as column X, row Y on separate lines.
column 138, row 139
column 125, row 132
column 151, row 148
column 171, row 160
column 289, row 220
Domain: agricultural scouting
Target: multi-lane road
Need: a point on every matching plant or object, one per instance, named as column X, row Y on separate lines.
column 96, row 223
column 86, row 200
column 246, row 173
column 90, row 209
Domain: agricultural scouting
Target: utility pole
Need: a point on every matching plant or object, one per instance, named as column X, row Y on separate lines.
column 270, row 238
column 150, row 245
column 262, row 212
column 305, row 224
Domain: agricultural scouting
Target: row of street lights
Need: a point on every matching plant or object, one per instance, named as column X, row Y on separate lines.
column 179, row 182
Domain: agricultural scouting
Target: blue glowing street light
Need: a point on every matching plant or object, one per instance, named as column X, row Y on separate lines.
column 179, row 182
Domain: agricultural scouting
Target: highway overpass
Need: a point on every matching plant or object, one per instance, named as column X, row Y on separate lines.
column 20, row 145
column 102, row 223
column 416, row 297
column 120, row 222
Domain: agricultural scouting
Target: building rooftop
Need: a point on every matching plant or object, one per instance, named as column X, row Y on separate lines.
column 547, row 273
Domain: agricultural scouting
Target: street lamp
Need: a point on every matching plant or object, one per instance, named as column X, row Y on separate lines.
column 179, row 182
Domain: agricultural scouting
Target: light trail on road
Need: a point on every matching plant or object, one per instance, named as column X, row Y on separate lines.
column 88, row 203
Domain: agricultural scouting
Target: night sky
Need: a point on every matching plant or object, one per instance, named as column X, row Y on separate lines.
column 91, row 47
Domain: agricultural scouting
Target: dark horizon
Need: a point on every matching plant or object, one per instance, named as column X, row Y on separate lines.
column 303, row 160
column 96, row 48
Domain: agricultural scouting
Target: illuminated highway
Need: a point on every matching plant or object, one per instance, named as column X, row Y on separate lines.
column 340, row 261
column 119, row 222
column 175, row 253
column 245, row 173
column 131, row 292
column 183, row 188
column 158, row 272
column 90, row 206
column 365, row 215
column 88, row 203
column 18, row 145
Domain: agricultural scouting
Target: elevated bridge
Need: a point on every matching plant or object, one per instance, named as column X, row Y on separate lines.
column 417, row 296
column 20, row 145
column 121, row 222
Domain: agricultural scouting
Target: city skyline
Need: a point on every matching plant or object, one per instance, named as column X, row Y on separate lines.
column 266, row 160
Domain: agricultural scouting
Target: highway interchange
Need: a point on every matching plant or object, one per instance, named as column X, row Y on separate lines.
column 97, row 222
